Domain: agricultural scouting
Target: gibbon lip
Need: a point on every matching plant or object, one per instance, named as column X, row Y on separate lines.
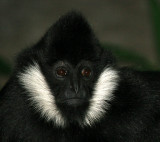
column 73, row 101
column 70, row 99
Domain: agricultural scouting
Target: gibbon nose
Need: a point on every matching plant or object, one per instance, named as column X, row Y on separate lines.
column 74, row 86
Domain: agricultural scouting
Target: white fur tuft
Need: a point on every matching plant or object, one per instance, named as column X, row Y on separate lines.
column 103, row 92
column 40, row 94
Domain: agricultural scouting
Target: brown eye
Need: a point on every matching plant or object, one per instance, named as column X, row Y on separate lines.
column 61, row 72
column 86, row 72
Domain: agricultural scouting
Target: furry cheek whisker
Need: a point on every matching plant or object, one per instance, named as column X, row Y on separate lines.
column 40, row 95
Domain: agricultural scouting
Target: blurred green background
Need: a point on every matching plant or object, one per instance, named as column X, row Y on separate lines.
column 130, row 28
column 135, row 59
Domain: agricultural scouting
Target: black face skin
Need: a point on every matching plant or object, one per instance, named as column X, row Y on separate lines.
column 73, row 81
column 74, row 87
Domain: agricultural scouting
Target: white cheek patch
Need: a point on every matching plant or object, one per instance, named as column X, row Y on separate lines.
column 103, row 92
column 40, row 94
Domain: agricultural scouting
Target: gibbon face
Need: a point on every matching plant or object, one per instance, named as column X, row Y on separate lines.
column 68, row 77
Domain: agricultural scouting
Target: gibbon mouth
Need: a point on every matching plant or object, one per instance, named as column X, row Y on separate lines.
column 73, row 101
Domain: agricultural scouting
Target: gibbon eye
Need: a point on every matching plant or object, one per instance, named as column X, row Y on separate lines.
column 61, row 72
column 86, row 72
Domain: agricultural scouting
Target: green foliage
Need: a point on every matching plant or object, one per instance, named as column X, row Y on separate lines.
column 155, row 17
column 128, row 57
column 5, row 67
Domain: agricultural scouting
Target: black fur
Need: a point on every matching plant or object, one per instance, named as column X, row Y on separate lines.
column 134, row 115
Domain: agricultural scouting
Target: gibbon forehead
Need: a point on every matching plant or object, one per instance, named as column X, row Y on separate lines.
column 71, row 38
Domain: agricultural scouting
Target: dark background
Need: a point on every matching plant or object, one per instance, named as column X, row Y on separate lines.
column 126, row 23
